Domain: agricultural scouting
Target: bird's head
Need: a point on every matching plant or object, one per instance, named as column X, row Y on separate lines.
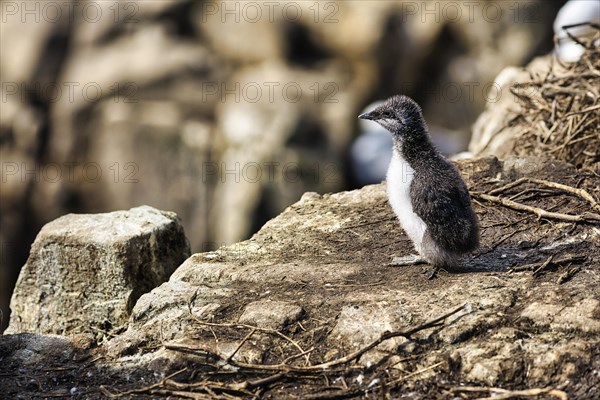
column 399, row 114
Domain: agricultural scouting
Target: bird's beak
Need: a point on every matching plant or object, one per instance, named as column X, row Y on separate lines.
column 368, row 115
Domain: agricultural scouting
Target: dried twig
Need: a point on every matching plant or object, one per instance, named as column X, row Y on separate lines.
column 541, row 213
column 566, row 188
column 568, row 274
column 255, row 328
column 144, row 389
column 239, row 346
column 499, row 393
column 538, row 270
column 405, row 377
column 386, row 336
column 558, row 113
column 538, row 267
column 282, row 367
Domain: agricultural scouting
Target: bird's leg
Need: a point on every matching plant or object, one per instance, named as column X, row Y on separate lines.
column 412, row 259
column 430, row 273
column 415, row 259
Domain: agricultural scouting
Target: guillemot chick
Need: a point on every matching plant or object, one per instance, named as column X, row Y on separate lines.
column 424, row 189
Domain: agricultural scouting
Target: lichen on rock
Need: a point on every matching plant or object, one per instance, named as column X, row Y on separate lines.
column 85, row 272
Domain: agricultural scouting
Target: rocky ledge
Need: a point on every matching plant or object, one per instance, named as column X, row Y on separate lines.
column 310, row 307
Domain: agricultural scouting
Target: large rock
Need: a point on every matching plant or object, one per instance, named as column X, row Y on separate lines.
column 329, row 255
column 85, row 272
column 315, row 285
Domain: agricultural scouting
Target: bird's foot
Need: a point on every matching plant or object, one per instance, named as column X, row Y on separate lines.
column 413, row 259
column 430, row 273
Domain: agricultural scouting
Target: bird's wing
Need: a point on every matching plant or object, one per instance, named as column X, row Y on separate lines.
column 442, row 201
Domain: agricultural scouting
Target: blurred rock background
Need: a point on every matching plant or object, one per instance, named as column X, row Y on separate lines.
column 226, row 112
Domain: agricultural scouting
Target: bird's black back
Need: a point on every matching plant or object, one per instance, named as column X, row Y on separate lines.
column 441, row 199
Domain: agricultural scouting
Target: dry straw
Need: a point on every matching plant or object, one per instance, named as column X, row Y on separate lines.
column 560, row 112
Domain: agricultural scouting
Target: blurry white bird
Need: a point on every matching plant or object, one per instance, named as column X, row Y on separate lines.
column 572, row 13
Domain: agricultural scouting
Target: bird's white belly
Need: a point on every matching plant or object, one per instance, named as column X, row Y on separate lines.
column 399, row 178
